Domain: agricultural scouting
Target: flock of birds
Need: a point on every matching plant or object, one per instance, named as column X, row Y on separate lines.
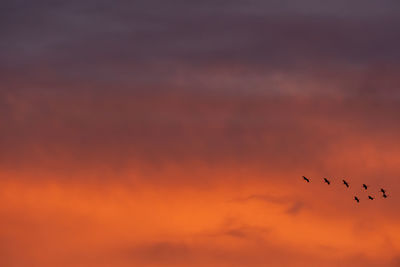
column 347, row 185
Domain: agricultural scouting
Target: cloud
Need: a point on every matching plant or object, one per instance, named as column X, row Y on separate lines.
column 110, row 223
column 295, row 208
column 121, row 40
column 155, row 133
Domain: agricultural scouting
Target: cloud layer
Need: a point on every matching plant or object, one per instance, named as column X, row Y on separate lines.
column 176, row 134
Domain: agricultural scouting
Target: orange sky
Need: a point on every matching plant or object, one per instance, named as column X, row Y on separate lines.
column 249, row 221
column 198, row 184
column 132, row 135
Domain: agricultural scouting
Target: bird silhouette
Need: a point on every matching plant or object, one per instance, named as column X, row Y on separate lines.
column 356, row 199
column 383, row 191
column 365, row 186
column 327, row 181
column 384, row 195
column 345, row 183
column 305, row 178
column 369, row 197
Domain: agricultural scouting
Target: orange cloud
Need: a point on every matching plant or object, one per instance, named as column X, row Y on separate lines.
column 177, row 176
column 250, row 221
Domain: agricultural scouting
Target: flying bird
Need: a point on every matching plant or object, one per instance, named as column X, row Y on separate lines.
column 345, row 183
column 365, row 186
column 327, row 181
column 383, row 191
column 356, row 199
column 305, row 178
column 369, row 197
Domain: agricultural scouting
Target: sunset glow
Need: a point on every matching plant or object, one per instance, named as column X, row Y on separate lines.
column 176, row 133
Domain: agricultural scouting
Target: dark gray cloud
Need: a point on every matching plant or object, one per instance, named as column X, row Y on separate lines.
column 90, row 39
column 239, row 82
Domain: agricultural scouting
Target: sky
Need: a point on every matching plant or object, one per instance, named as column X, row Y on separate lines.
column 176, row 133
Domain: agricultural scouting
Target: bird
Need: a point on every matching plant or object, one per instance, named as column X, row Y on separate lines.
column 356, row 199
column 327, row 181
column 384, row 195
column 383, row 191
column 345, row 183
column 365, row 186
column 370, row 197
column 305, row 178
